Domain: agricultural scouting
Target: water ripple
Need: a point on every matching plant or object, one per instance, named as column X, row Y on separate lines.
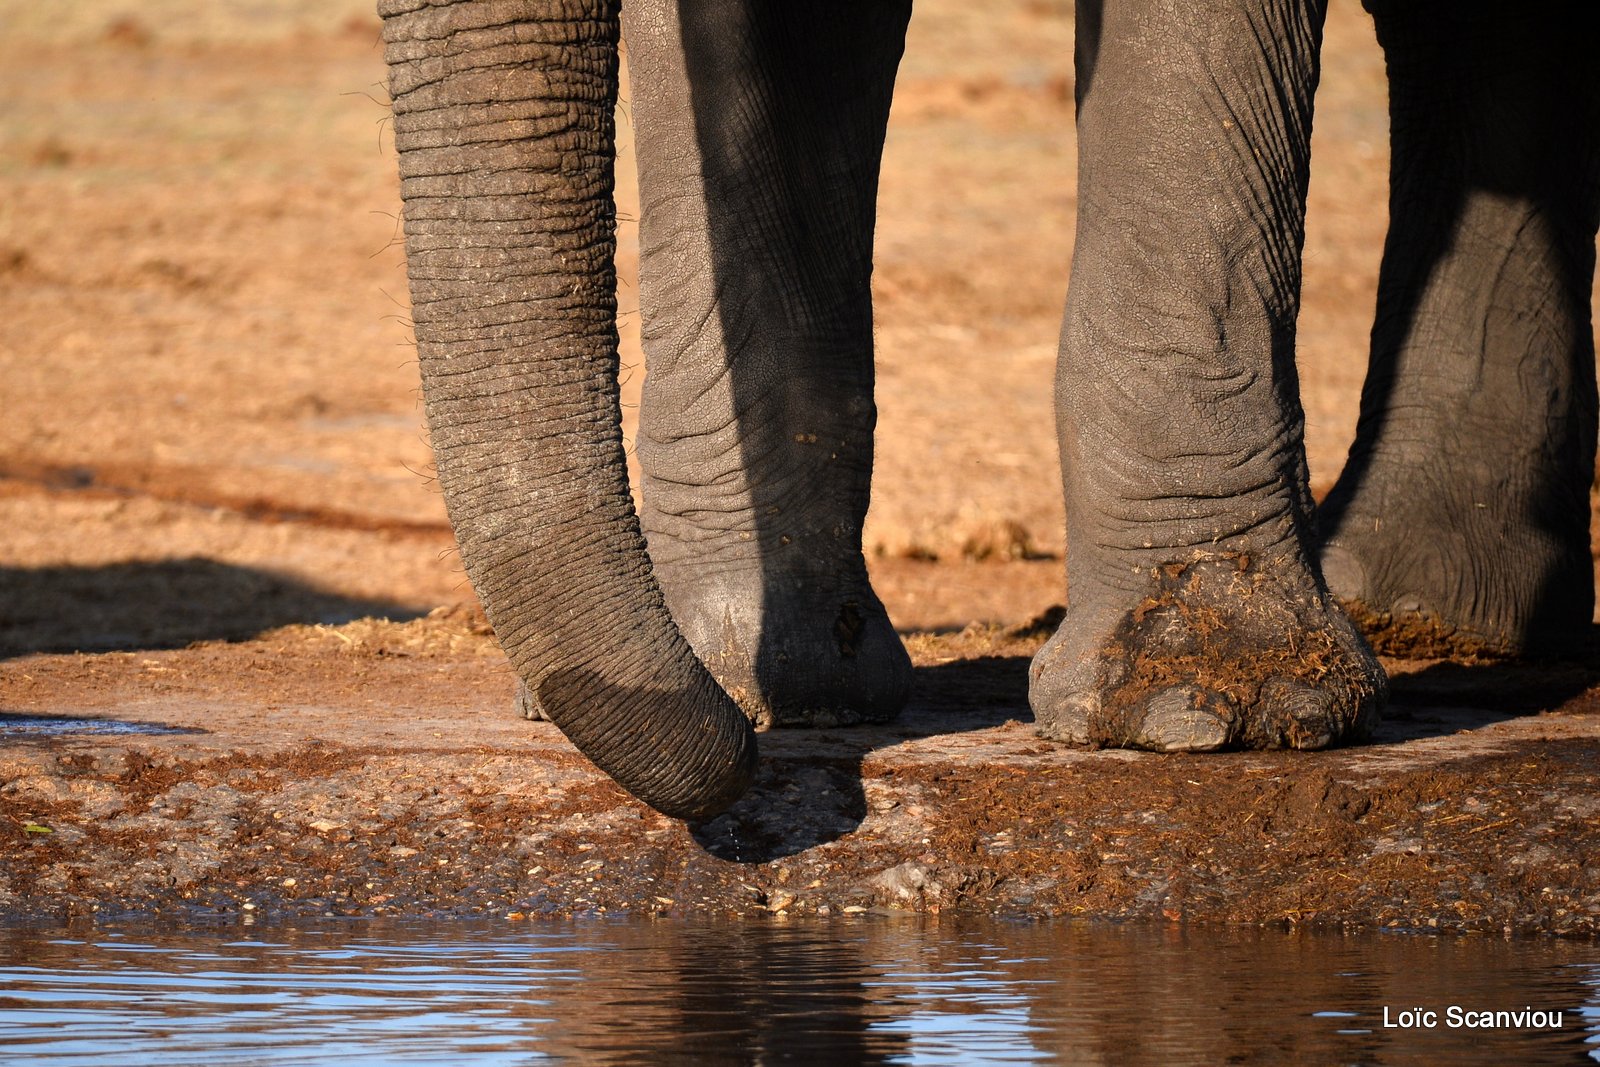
column 871, row 990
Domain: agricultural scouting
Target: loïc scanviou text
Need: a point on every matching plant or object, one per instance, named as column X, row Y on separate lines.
column 1455, row 1017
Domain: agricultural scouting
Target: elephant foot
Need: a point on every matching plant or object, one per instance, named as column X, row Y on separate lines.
column 794, row 649
column 1218, row 652
column 1481, row 574
column 1408, row 604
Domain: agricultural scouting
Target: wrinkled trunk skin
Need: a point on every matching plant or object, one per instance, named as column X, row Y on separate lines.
column 504, row 124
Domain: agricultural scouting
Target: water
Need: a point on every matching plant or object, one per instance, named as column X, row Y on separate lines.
column 863, row 990
column 14, row 727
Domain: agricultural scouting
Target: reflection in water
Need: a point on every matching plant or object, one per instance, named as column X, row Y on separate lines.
column 862, row 991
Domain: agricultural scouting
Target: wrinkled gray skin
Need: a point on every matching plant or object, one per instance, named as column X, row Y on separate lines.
column 1199, row 616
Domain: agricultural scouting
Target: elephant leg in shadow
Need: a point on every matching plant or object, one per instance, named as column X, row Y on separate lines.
column 759, row 130
column 1461, row 521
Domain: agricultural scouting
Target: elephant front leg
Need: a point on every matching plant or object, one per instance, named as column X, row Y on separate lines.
column 759, row 130
column 1197, row 618
column 1461, row 520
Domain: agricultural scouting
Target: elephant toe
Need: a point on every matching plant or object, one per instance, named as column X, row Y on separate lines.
column 1344, row 573
column 1184, row 718
column 1067, row 718
column 527, row 704
column 1300, row 716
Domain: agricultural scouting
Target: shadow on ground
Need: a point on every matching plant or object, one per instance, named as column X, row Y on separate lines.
column 810, row 792
column 162, row 604
column 1511, row 686
column 809, row 788
column 1448, row 697
column 20, row 728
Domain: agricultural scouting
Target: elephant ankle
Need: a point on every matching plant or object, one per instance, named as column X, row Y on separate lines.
column 1448, row 559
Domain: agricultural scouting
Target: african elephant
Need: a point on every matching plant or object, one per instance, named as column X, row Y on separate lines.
column 1200, row 568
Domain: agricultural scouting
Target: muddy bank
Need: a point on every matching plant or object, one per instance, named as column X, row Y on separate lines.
column 377, row 768
column 212, row 435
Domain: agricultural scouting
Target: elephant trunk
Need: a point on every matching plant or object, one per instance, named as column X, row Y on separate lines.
column 503, row 116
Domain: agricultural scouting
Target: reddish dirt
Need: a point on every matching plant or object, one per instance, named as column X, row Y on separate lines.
column 376, row 768
column 212, row 459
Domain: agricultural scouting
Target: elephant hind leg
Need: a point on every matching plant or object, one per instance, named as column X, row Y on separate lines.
column 1218, row 653
column 1460, row 523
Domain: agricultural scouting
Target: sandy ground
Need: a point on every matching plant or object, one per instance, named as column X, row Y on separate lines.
column 212, row 460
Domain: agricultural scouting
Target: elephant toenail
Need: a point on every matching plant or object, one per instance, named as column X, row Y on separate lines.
column 1068, row 720
column 1344, row 575
column 1184, row 719
column 1302, row 716
column 528, row 704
